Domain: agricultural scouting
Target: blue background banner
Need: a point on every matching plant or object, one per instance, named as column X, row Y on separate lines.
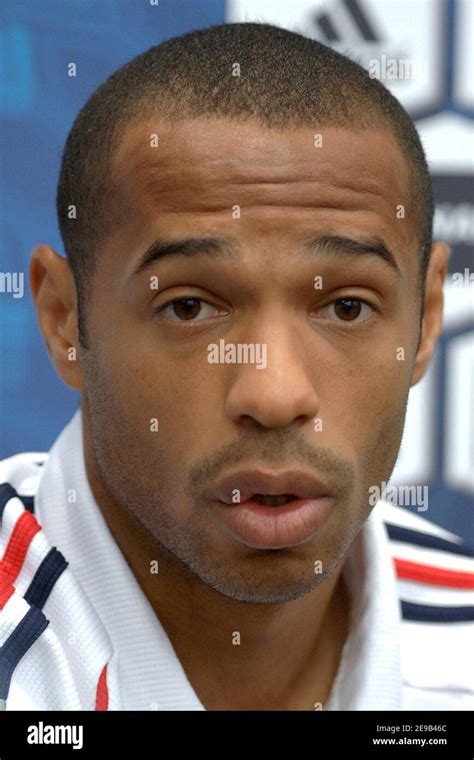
column 39, row 102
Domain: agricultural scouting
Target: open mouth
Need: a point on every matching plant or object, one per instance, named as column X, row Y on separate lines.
column 273, row 501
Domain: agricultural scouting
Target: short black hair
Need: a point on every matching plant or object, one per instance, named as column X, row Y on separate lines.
column 287, row 80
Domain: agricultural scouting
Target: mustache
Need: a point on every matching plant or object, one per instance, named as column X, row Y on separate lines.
column 278, row 449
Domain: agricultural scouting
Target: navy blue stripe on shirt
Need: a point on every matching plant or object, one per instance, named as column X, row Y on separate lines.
column 397, row 533
column 424, row 613
column 29, row 503
column 45, row 577
column 30, row 627
column 7, row 492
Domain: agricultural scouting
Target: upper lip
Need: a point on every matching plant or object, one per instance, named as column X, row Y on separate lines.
column 299, row 483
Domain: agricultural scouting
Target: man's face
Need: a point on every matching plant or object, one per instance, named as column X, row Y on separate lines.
column 340, row 331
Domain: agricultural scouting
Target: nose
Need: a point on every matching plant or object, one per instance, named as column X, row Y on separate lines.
column 278, row 394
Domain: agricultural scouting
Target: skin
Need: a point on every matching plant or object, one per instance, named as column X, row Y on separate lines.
column 153, row 487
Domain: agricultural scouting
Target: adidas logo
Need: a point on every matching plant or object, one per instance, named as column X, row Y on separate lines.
column 352, row 15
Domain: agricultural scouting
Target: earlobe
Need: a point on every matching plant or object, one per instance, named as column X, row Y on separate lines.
column 54, row 294
column 433, row 309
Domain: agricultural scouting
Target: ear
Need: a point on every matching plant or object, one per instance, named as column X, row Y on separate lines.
column 54, row 294
column 433, row 312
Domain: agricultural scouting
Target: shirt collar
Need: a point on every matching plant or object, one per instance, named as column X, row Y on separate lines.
column 150, row 675
column 369, row 675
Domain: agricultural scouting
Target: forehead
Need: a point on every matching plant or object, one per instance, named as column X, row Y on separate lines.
column 206, row 163
column 187, row 178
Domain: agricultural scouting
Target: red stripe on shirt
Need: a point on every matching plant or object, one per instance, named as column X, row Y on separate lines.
column 25, row 529
column 433, row 576
column 6, row 588
column 102, row 694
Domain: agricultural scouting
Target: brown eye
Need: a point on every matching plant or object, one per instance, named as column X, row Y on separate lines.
column 186, row 308
column 347, row 309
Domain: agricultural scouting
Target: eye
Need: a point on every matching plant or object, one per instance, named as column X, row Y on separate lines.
column 187, row 310
column 348, row 310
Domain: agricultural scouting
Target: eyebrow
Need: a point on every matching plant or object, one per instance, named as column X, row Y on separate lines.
column 340, row 244
column 211, row 246
column 223, row 248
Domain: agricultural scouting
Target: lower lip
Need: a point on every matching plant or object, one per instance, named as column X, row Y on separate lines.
column 264, row 527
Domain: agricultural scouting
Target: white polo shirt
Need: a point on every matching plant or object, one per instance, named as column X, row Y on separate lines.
column 77, row 632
